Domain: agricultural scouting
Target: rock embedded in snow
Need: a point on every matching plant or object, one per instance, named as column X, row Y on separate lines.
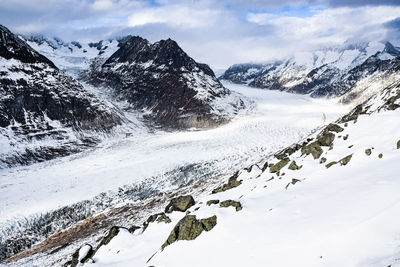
column 279, row 165
column 313, row 148
column 398, row 144
column 368, row 151
column 330, row 164
column 159, row 217
column 232, row 183
column 231, row 203
column 181, row 203
column 293, row 166
column 113, row 232
column 212, row 202
column 82, row 255
column 189, row 228
column 344, row 161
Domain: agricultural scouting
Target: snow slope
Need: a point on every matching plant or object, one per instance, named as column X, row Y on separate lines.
column 72, row 57
column 344, row 215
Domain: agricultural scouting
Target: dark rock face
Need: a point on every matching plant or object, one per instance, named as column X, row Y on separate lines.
column 164, row 81
column 38, row 101
column 242, row 73
column 318, row 79
column 11, row 47
column 182, row 203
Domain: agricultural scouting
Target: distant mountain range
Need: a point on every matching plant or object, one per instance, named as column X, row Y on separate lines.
column 351, row 71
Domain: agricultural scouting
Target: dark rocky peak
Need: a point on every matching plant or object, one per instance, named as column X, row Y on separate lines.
column 165, row 54
column 168, row 52
column 391, row 50
column 12, row 47
column 133, row 50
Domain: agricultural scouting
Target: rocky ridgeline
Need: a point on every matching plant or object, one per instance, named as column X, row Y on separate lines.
column 347, row 76
column 171, row 88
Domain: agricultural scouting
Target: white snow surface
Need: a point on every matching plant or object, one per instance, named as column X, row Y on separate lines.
column 72, row 58
column 277, row 120
column 345, row 215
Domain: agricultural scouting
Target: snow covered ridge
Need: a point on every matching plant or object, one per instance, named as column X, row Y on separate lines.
column 316, row 201
column 72, row 57
column 166, row 84
column 44, row 113
column 330, row 72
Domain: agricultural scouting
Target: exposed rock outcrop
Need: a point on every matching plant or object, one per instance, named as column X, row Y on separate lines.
column 182, row 203
column 189, row 228
column 231, row 203
column 232, row 183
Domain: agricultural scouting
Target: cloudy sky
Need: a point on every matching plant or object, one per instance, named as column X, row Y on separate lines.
column 217, row 32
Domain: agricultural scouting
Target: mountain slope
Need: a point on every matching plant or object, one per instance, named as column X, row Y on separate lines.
column 332, row 72
column 315, row 201
column 161, row 80
column 43, row 112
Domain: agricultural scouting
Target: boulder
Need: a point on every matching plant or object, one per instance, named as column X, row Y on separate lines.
column 209, row 223
column 380, row 155
column 212, row 201
column 313, row 148
column 159, row 217
column 189, row 228
column 368, row 151
column 326, row 138
column 322, row 160
column 182, row 203
column 334, row 128
column 231, row 203
column 330, row 164
column 278, row 166
column 232, row 183
column 293, row 166
column 345, row 160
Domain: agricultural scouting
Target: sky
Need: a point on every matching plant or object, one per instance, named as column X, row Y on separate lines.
column 217, row 32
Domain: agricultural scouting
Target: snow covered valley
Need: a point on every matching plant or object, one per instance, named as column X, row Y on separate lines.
column 149, row 163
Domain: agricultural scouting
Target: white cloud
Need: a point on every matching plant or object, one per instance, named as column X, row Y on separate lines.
column 102, row 5
column 174, row 15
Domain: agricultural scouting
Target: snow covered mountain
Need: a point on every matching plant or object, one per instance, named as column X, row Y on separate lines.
column 44, row 113
column 72, row 57
column 330, row 72
column 166, row 84
column 316, row 201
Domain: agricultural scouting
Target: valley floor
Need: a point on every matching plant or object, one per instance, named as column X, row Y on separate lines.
column 277, row 120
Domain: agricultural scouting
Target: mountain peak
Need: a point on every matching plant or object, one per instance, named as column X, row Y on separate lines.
column 12, row 47
column 391, row 50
